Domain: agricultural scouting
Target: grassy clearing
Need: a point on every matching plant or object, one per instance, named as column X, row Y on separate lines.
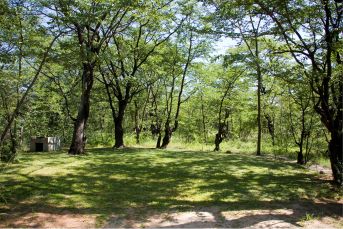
column 108, row 181
column 247, row 145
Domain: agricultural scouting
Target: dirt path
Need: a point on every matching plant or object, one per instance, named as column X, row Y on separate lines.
column 325, row 214
column 292, row 216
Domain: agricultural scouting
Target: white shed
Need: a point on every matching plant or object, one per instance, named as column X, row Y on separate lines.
column 45, row 144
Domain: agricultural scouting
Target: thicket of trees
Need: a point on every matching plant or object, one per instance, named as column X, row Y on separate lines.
column 98, row 70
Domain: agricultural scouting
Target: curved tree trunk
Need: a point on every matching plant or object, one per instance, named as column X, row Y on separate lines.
column 217, row 141
column 270, row 126
column 16, row 111
column 79, row 140
column 168, row 131
column 167, row 137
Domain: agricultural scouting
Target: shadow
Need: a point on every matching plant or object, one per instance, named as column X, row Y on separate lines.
column 111, row 181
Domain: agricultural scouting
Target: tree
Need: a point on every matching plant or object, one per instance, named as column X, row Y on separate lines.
column 16, row 41
column 221, row 122
column 237, row 20
column 91, row 24
column 318, row 55
column 188, row 46
column 123, row 71
column 301, row 98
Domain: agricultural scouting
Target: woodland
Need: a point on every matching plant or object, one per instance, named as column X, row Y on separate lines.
column 108, row 73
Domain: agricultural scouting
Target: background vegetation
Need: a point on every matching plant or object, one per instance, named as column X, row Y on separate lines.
column 114, row 73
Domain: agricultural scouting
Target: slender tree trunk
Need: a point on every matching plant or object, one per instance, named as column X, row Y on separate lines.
column 300, row 159
column 15, row 113
column 203, row 120
column 226, row 130
column 21, row 134
column 240, row 126
column 259, row 123
column 273, row 137
column 63, row 134
column 270, row 126
column 158, row 145
column 79, row 140
column 137, row 128
column 102, row 128
column 156, row 130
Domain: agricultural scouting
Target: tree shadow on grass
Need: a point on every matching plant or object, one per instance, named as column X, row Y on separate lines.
column 109, row 182
column 270, row 214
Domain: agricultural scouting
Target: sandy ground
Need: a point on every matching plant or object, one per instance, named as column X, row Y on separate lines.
column 216, row 217
column 324, row 214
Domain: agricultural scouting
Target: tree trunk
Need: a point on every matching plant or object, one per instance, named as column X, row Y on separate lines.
column 21, row 135
column 137, row 128
column 79, row 140
column 158, row 145
column 300, row 159
column 203, row 120
column 217, row 141
column 259, row 123
column 101, row 129
column 335, row 153
column 167, row 136
column 226, row 125
column 16, row 111
column 270, row 126
column 157, row 131
column 119, row 131
column 138, row 132
column 119, row 134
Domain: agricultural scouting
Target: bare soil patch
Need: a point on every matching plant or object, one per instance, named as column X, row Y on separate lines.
column 318, row 214
column 43, row 218
column 294, row 215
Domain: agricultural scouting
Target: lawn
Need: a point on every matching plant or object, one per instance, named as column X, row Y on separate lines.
column 109, row 181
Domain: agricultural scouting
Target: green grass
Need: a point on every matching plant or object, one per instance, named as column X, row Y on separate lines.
column 108, row 181
column 236, row 145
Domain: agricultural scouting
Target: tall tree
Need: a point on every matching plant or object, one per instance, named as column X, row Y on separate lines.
column 302, row 99
column 312, row 34
column 189, row 46
column 221, row 121
column 91, row 23
column 245, row 23
column 123, row 70
column 21, row 41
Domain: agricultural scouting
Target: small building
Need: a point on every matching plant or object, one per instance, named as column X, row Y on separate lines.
column 45, row 144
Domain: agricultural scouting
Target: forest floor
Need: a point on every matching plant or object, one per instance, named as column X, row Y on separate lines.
column 174, row 188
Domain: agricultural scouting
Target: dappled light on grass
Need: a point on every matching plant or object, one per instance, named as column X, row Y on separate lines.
column 109, row 180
